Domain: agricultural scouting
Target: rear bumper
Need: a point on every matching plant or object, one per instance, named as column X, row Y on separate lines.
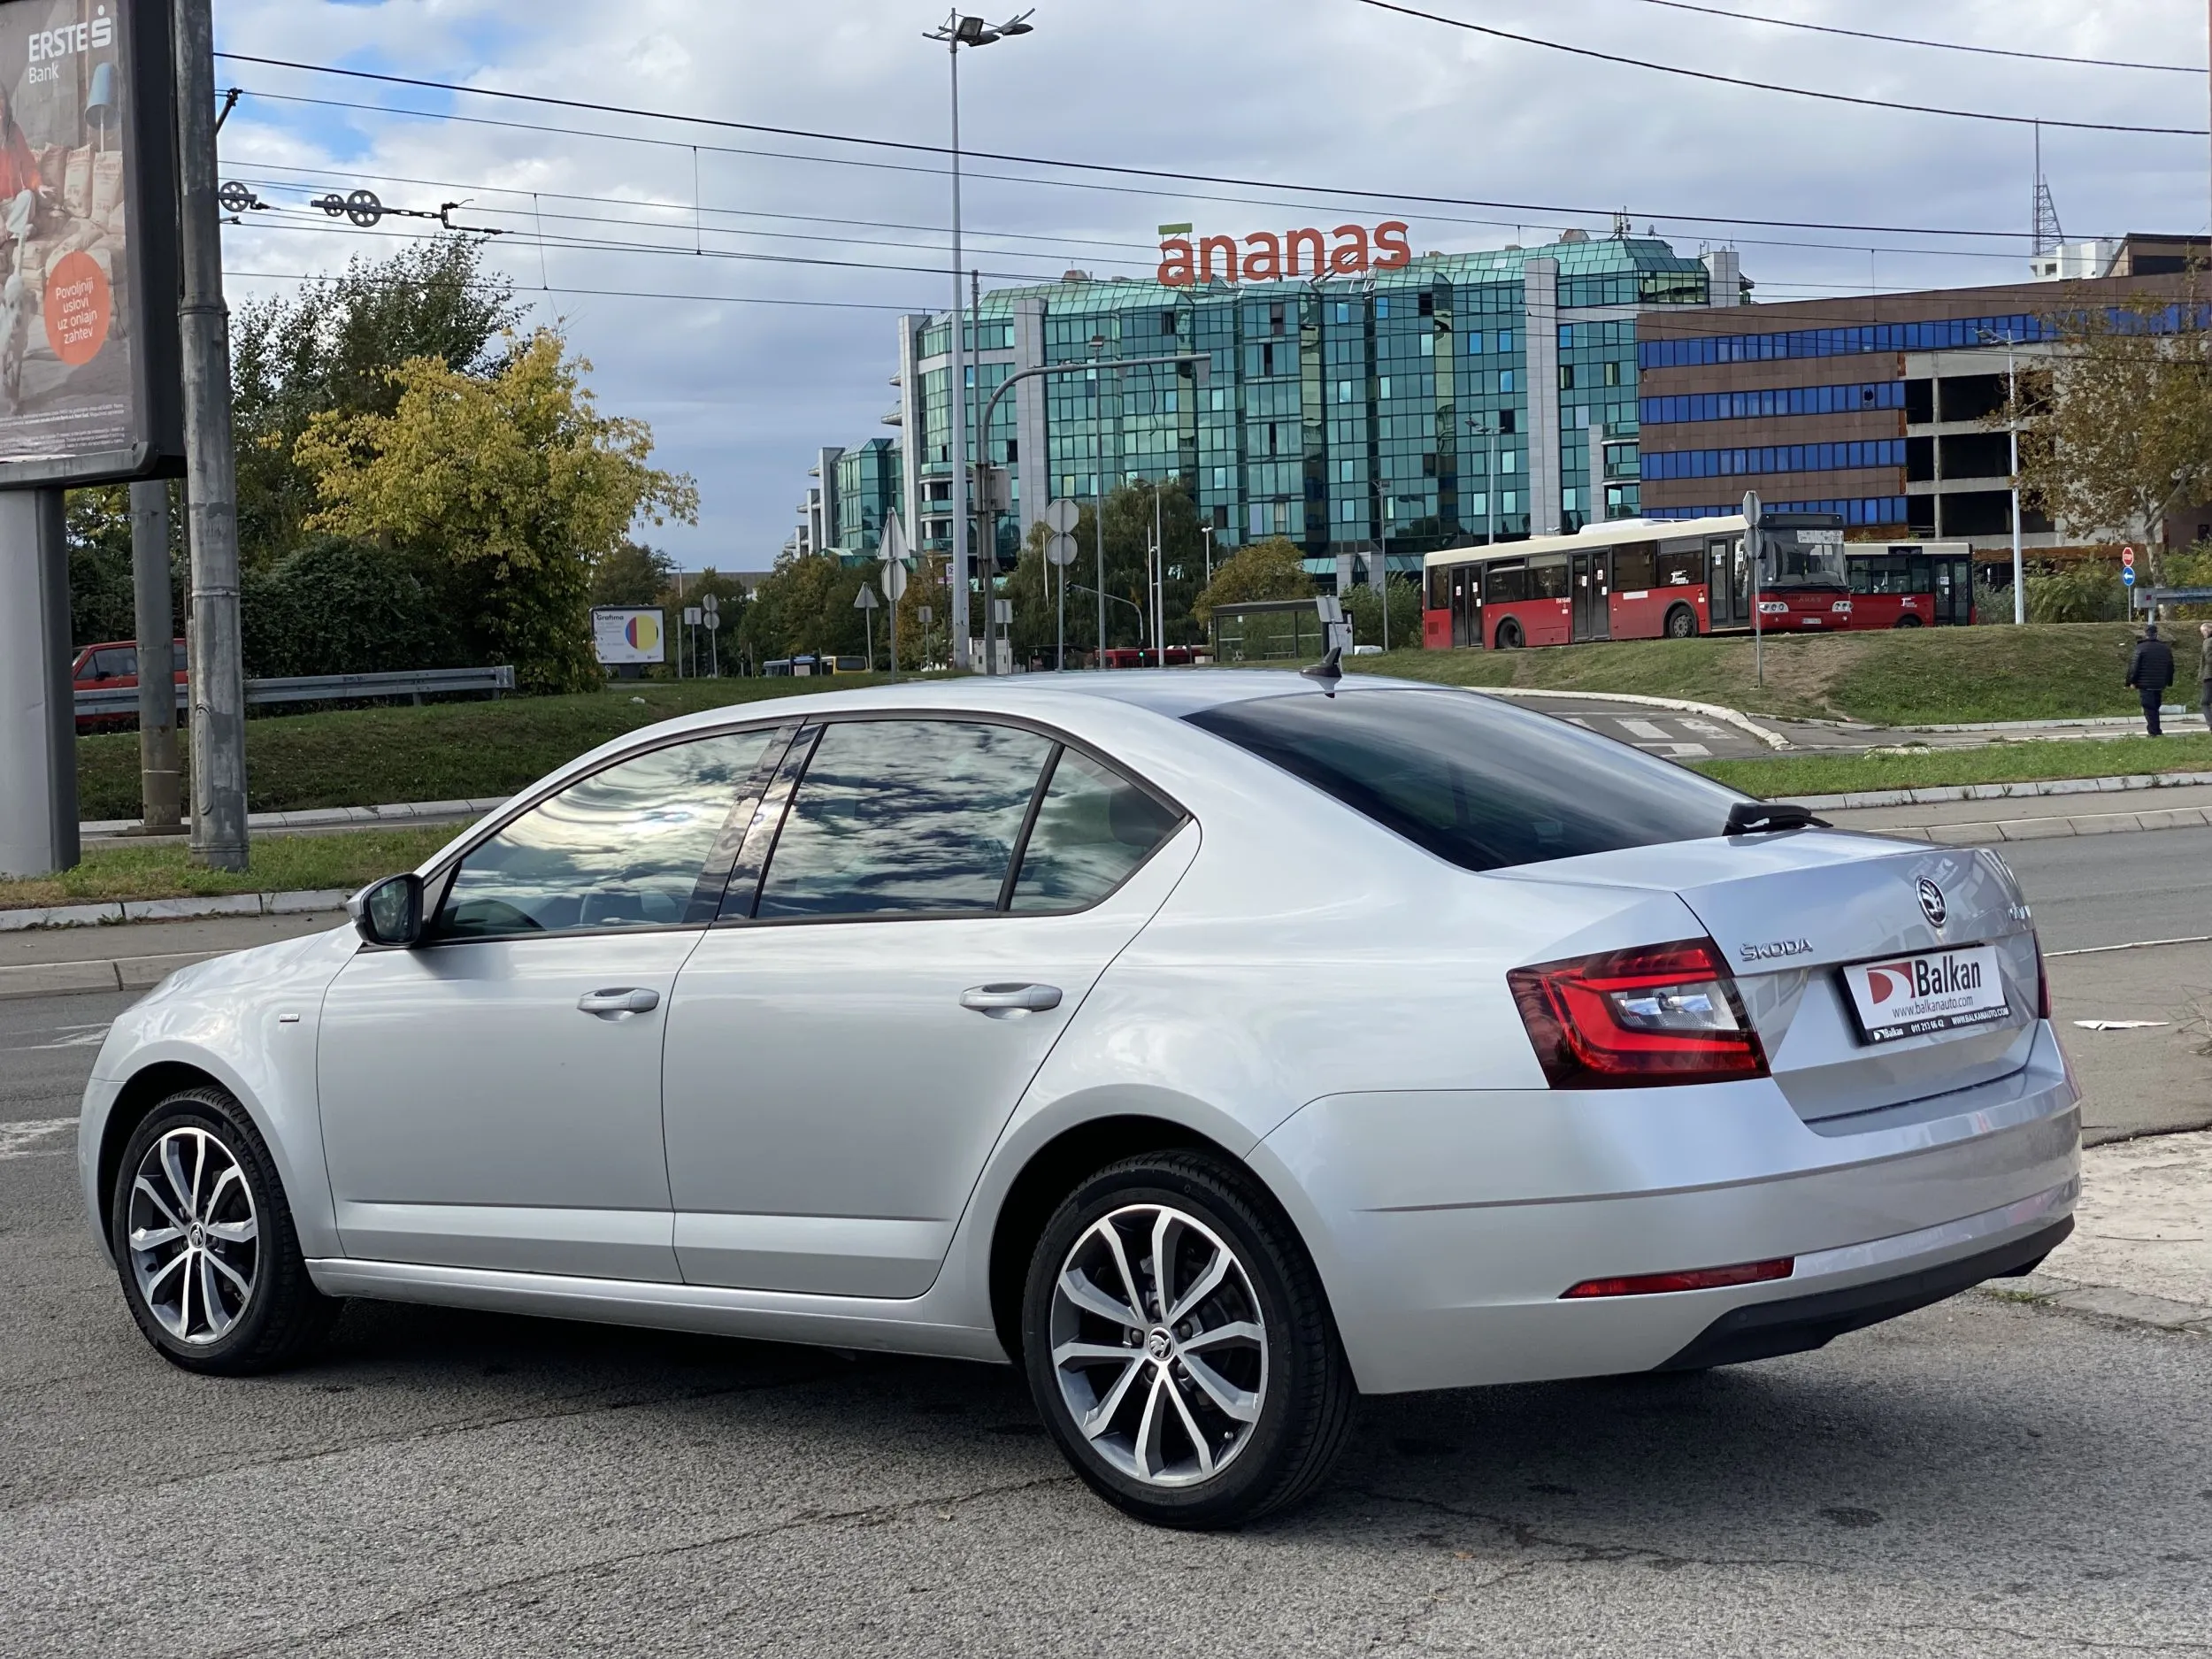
column 1448, row 1225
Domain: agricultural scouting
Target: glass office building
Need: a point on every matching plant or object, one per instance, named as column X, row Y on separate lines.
column 1456, row 399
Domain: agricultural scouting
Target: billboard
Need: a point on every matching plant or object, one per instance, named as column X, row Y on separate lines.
column 623, row 634
column 89, row 262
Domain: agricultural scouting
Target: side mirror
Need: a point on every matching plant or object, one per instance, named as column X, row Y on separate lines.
column 389, row 912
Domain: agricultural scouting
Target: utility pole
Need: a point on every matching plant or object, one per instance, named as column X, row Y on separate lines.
column 1751, row 514
column 1159, row 578
column 160, row 795
column 218, row 672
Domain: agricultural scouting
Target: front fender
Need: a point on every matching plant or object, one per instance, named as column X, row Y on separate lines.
column 251, row 1024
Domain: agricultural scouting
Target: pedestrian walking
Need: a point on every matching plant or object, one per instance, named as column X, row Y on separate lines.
column 2204, row 674
column 2150, row 671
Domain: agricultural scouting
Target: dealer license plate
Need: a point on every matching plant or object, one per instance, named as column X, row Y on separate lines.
column 1935, row 991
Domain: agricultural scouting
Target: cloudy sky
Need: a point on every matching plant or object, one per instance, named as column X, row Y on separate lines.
column 712, row 224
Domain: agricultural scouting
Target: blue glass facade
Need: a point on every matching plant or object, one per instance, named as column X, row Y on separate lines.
column 1418, row 405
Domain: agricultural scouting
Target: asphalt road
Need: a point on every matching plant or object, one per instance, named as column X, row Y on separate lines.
column 1979, row 1479
column 2091, row 890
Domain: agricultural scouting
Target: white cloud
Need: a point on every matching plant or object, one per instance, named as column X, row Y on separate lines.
column 1323, row 91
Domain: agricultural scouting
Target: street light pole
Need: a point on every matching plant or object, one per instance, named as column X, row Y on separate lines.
column 960, row 31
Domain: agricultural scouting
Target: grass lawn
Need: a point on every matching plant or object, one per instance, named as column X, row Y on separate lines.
column 281, row 864
column 1787, row 776
column 1910, row 676
column 449, row 751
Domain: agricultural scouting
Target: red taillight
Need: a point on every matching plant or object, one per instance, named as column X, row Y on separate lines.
column 1699, row 1279
column 1634, row 1018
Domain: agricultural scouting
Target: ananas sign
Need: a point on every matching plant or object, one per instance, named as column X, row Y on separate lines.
column 1267, row 256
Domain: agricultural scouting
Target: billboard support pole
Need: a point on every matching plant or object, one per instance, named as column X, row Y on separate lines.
column 160, row 791
column 38, row 747
column 218, row 672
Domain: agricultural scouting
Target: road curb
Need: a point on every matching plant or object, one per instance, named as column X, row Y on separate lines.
column 1736, row 717
column 73, row 978
column 1939, row 795
column 399, row 814
column 2105, row 1303
column 118, row 911
column 2036, row 829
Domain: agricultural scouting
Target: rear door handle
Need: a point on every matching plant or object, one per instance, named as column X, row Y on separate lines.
column 1010, row 1002
column 615, row 1004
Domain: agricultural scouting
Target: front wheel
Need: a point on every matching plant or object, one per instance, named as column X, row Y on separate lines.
column 1180, row 1347
column 1681, row 623
column 1908, row 622
column 204, row 1241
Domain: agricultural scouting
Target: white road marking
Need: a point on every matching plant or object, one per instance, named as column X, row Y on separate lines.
column 79, row 1037
column 1650, row 729
column 1576, row 720
column 20, row 1140
column 1706, row 729
column 1677, row 751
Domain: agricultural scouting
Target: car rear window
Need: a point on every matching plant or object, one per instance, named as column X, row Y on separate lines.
column 1475, row 781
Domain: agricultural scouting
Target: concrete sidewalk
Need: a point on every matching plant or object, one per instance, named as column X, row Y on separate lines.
column 2142, row 1245
column 2033, row 818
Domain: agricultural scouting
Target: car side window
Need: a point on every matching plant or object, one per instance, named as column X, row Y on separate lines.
column 901, row 818
column 1093, row 826
column 116, row 663
column 624, row 848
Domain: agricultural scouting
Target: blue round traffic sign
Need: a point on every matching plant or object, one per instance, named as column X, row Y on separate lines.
column 2128, row 576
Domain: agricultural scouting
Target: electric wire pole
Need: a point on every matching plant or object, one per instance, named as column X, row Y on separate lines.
column 218, row 672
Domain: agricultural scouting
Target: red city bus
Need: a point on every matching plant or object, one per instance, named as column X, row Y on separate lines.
column 1910, row 584
column 1637, row 579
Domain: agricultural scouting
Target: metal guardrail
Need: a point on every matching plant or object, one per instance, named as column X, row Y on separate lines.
column 415, row 684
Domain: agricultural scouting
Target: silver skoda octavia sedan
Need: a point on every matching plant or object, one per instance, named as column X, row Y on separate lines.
column 1216, row 1047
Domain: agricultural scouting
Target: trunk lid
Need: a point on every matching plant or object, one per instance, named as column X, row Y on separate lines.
column 1791, row 911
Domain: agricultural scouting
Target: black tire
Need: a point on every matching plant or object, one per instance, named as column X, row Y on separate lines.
column 1908, row 622
column 282, row 1316
column 1305, row 1391
column 1682, row 623
column 1509, row 635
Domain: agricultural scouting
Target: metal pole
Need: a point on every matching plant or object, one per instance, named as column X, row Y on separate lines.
column 160, row 792
column 1060, row 654
column 38, row 705
column 986, row 542
column 868, row 626
column 1098, row 515
column 218, row 672
column 1758, row 631
column 2012, row 407
column 1382, row 574
column 1159, row 578
column 955, row 387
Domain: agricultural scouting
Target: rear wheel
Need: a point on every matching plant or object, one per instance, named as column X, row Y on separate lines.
column 1509, row 635
column 204, row 1241
column 1908, row 622
column 1180, row 1347
column 1681, row 623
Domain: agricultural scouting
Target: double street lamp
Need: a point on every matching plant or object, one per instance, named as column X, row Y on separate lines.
column 958, row 31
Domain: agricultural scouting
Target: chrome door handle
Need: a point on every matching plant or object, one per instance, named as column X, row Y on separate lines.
column 1010, row 1002
column 614, row 1004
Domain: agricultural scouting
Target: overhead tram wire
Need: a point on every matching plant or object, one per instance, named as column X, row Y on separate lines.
column 525, row 291
column 1908, row 40
column 357, row 174
column 1778, row 87
column 1158, row 173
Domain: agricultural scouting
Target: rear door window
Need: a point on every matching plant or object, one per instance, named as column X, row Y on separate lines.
column 1093, row 828
column 1477, row 783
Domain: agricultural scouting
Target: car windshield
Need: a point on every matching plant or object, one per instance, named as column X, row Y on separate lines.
column 1474, row 782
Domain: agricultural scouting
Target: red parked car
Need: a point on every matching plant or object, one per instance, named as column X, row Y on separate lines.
column 113, row 666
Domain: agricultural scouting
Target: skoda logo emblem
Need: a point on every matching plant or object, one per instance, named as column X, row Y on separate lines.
column 1930, row 902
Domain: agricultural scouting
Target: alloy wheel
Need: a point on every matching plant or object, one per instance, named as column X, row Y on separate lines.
column 193, row 1235
column 1158, row 1345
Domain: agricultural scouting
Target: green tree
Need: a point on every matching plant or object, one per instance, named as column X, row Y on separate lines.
column 631, row 574
column 1272, row 568
column 1363, row 609
column 102, row 602
column 2116, row 434
column 512, row 484
column 804, row 605
column 333, row 348
column 1129, row 531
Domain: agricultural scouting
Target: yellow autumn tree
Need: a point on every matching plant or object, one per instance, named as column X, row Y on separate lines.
column 511, row 481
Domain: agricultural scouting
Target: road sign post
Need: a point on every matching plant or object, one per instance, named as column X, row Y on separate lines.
column 864, row 602
column 892, row 551
column 1751, row 515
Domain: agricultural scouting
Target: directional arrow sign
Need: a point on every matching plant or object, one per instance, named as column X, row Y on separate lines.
column 2127, row 576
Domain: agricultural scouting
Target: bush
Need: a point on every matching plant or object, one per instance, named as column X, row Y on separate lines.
column 341, row 607
column 2087, row 591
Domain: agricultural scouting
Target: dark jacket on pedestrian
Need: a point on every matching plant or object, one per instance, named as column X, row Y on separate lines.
column 2151, row 667
column 2204, row 665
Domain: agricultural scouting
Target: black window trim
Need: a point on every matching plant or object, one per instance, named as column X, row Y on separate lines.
column 438, row 882
column 775, row 808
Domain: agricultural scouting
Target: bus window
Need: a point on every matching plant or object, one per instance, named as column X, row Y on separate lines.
column 1439, row 586
column 1505, row 584
column 1634, row 567
column 1680, row 567
column 1547, row 576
